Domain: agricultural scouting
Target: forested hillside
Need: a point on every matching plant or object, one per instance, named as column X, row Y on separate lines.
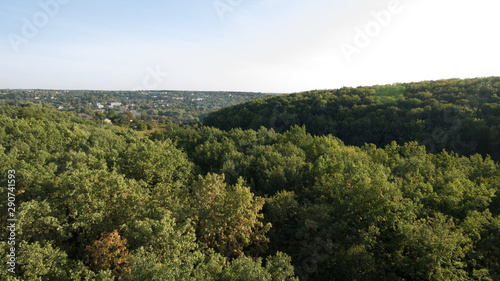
column 457, row 115
column 200, row 203
column 96, row 203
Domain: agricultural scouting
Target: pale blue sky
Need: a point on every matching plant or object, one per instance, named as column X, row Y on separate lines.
column 243, row 45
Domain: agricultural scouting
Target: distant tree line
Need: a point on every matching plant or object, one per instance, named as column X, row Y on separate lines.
column 460, row 115
column 150, row 109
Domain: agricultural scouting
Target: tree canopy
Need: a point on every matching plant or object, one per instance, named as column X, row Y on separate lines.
column 460, row 115
column 268, row 203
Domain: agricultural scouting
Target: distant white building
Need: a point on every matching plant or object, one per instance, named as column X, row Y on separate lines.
column 135, row 113
column 113, row 104
column 99, row 105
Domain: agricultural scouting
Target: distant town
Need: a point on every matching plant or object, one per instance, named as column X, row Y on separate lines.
column 131, row 108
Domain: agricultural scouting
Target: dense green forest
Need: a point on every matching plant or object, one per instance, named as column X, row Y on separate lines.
column 275, row 202
column 102, row 203
column 460, row 115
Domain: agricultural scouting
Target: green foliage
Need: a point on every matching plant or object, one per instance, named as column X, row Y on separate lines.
column 389, row 93
column 154, row 162
column 226, row 217
column 280, row 268
column 45, row 262
column 199, row 203
column 433, row 249
column 456, row 115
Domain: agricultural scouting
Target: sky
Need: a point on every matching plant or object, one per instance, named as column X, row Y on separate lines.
column 271, row 46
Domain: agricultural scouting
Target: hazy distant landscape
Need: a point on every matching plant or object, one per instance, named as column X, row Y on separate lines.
column 263, row 140
column 151, row 108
